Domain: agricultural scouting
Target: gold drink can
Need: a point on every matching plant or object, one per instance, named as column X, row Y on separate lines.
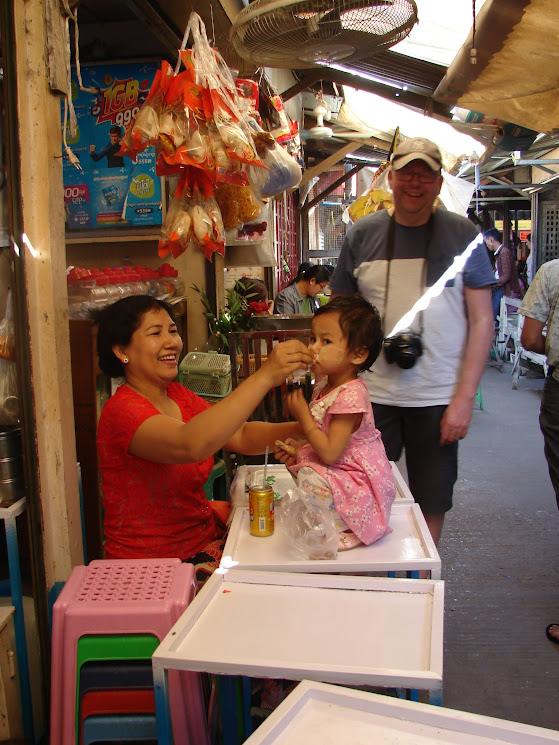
column 261, row 507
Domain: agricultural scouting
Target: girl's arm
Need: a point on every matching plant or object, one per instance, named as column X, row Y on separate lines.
column 330, row 445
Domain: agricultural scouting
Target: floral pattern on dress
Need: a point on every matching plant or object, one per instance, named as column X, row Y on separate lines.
column 361, row 480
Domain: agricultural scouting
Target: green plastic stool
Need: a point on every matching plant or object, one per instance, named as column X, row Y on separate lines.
column 479, row 398
column 98, row 647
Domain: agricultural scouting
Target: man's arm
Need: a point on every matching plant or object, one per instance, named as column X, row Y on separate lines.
column 96, row 155
column 531, row 337
column 457, row 417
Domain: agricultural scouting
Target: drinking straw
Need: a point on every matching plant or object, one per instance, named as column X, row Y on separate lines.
column 265, row 466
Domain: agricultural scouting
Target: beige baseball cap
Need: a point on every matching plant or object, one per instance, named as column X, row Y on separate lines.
column 416, row 148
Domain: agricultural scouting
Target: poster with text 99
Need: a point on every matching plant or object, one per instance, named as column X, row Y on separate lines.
column 110, row 190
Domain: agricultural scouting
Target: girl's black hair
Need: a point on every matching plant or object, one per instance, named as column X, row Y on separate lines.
column 117, row 322
column 319, row 272
column 360, row 323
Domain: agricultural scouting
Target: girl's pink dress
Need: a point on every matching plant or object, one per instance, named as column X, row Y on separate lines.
column 361, row 480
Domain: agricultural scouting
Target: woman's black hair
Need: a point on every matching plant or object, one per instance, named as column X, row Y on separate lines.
column 319, row 272
column 360, row 323
column 117, row 322
column 251, row 289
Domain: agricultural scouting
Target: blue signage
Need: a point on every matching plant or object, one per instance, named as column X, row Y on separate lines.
column 109, row 190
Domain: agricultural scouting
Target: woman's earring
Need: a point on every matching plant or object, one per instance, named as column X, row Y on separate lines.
column 125, row 360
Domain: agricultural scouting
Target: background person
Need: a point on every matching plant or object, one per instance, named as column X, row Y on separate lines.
column 300, row 295
column 156, row 439
column 255, row 292
column 505, row 269
column 425, row 409
column 540, row 307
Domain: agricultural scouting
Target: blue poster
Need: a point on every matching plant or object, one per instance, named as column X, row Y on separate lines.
column 110, row 190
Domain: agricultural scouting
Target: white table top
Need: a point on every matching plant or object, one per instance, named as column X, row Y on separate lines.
column 295, row 626
column 320, row 714
column 408, row 548
column 284, row 480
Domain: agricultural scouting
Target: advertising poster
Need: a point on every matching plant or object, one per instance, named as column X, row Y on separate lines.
column 109, row 190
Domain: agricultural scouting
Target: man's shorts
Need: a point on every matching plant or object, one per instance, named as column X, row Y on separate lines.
column 432, row 469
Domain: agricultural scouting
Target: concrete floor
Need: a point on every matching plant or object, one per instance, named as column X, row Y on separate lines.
column 500, row 562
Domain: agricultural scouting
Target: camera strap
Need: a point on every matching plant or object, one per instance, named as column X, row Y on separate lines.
column 390, row 255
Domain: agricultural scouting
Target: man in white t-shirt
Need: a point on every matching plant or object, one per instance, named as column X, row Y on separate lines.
column 391, row 260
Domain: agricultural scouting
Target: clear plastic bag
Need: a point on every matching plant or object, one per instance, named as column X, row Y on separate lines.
column 7, row 339
column 281, row 173
column 9, row 394
column 308, row 525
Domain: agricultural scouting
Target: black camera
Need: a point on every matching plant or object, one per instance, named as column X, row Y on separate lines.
column 403, row 349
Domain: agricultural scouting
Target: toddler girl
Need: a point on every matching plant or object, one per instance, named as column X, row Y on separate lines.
column 343, row 461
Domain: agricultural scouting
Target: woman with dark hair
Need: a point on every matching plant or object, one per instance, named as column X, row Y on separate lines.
column 255, row 294
column 156, row 439
column 300, row 295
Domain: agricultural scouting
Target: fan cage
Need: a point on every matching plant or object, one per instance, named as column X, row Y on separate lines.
column 285, row 33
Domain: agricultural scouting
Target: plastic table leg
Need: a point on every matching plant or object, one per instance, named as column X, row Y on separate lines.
column 9, row 514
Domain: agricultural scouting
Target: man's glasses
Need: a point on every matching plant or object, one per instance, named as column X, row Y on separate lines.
column 424, row 177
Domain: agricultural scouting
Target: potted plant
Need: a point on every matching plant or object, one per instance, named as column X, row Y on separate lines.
column 236, row 316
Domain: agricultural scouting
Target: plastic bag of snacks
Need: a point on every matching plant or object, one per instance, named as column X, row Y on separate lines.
column 308, row 525
column 238, row 205
column 144, row 129
column 211, row 72
column 282, row 173
column 193, row 218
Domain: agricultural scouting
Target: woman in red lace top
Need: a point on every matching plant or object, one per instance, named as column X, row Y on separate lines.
column 156, row 439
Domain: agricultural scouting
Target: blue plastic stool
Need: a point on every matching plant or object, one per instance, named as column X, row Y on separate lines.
column 109, row 728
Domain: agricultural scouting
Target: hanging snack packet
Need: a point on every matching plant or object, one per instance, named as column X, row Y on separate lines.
column 207, row 225
column 143, row 131
column 183, row 139
column 238, row 205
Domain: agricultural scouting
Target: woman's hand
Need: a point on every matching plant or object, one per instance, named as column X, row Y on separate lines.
column 297, row 404
column 284, row 360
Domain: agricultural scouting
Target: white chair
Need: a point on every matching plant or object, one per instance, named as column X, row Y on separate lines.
column 508, row 325
column 523, row 354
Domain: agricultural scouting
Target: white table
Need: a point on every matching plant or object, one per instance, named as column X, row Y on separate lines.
column 239, row 492
column 408, row 548
column 296, row 626
column 319, row 714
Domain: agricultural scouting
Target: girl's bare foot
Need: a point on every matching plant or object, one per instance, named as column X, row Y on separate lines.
column 348, row 540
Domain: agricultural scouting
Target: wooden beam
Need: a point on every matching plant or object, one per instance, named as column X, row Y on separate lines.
column 406, row 98
column 157, row 24
column 339, row 155
column 313, row 77
column 346, row 176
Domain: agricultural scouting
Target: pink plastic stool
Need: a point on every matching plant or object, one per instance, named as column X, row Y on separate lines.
column 144, row 596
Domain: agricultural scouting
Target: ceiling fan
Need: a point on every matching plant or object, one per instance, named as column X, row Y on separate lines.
column 297, row 34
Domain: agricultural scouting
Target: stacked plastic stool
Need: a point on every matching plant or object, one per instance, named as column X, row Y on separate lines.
column 106, row 623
